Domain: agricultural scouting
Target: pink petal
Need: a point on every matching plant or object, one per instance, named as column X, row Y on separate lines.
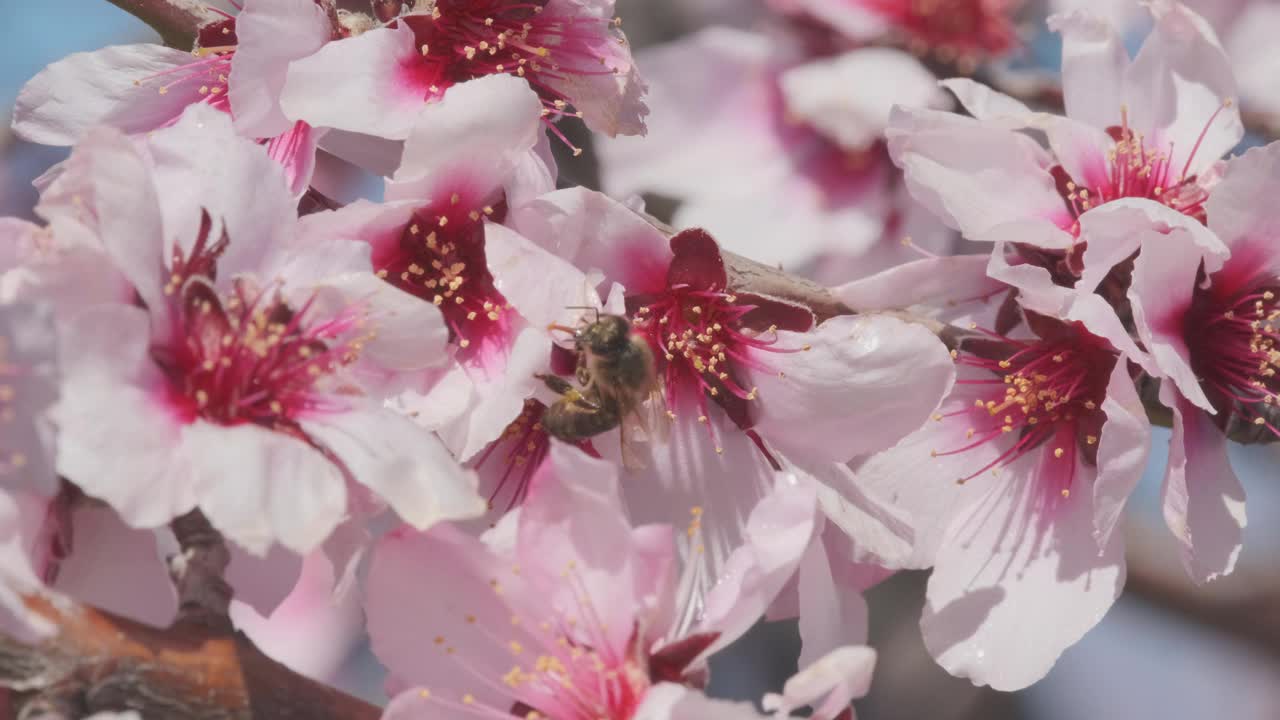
column 780, row 529
column 401, row 462
column 108, row 189
column 684, row 482
column 828, row 684
column 119, row 86
column 542, row 286
column 200, row 165
column 1036, row 289
column 787, row 206
column 451, row 141
column 1203, row 499
column 990, row 106
column 409, row 335
column 712, row 97
column 1164, row 277
column 132, row 462
column 939, row 281
column 608, row 94
column 260, row 487
column 669, row 701
column 433, row 614
column 918, row 476
column 365, row 84
column 876, row 530
column 1015, row 584
column 494, row 395
column 848, row 97
column 859, row 384
column 572, row 525
column 295, row 151
column 271, row 34
column 314, row 631
column 1177, row 83
column 1093, row 65
column 1242, row 213
column 975, row 177
column 263, row 582
column 1248, row 41
column 833, row 612
column 1174, row 243
column 595, row 232
column 1123, row 447
column 117, row 568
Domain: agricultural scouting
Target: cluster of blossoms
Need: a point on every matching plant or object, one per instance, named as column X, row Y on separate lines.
column 560, row 454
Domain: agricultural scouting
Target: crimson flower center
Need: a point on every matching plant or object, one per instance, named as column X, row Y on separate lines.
column 953, row 27
column 1232, row 341
column 1043, row 392
column 249, row 357
column 699, row 339
column 702, row 340
column 440, row 257
column 519, row 450
column 1135, row 169
column 462, row 40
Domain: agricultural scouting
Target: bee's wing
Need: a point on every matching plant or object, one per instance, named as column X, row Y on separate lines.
column 631, row 458
column 657, row 421
column 650, row 420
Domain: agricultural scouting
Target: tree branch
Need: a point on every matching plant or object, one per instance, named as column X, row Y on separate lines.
column 177, row 21
column 204, row 597
column 101, row 662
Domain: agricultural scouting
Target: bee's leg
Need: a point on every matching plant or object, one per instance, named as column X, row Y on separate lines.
column 573, row 422
column 582, row 372
column 566, row 390
column 557, row 384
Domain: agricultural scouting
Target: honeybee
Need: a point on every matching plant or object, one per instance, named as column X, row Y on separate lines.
column 617, row 373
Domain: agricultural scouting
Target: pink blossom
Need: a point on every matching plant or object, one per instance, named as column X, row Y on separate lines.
column 1014, row 489
column 1153, row 127
column 460, row 175
column 569, row 51
column 248, row 378
column 1245, row 28
column 750, row 384
column 761, row 142
column 566, row 610
column 788, row 540
column 1202, row 304
column 239, row 68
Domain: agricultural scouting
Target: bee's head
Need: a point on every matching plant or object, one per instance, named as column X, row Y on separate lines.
column 608, row 334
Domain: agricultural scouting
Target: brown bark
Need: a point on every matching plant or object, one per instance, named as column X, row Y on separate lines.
column 176, row 20
column 102, row 662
